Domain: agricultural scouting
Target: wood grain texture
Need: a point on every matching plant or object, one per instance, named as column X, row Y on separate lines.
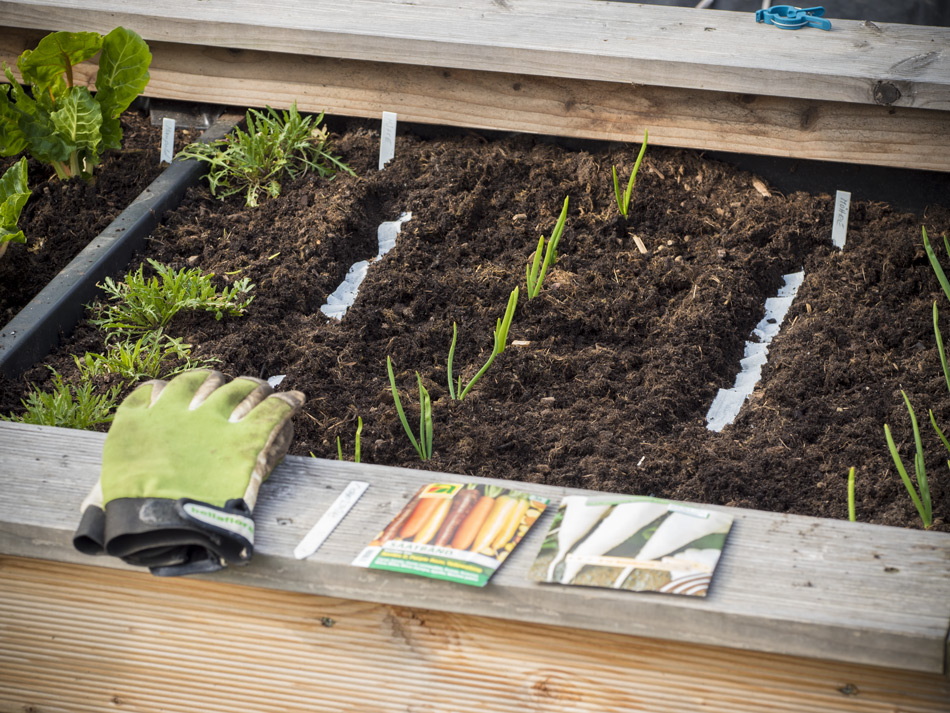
column 112, row 640
column 705, row 120
column 791, row 585
column 896, row 65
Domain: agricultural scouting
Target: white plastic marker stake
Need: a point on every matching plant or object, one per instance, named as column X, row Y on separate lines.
column 387, row 139
column 839, row 231
column 168, row 141
column 331, row 518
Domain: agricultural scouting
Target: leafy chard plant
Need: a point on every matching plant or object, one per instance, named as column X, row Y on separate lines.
column 623, row 199
column 276, row 145
column 67, row 406
column 501, row 338
column 140, row 305
column 537, row 269
column 63, row 124
column 423, row 444
column 14, row 193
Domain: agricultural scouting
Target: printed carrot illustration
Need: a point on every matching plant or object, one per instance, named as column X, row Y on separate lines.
column 434, row 523
column 511, row 523
column 392, row 529
column 420, row 515
column 470, row 526
column 462, row 504
column 495, row 522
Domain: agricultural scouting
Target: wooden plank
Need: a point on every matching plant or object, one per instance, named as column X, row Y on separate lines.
column 111, row 640
column 790, row 585
column 889, row 64
column 775, row 126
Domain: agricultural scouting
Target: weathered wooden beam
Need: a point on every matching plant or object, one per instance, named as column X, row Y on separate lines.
column 789, row 585
column 887, row 64
column 706, row 120
column 85, row 638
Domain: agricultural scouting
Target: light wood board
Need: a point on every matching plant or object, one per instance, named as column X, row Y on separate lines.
column 76, row 638
column 798, row 586
column 706, row 120
column 895, row 65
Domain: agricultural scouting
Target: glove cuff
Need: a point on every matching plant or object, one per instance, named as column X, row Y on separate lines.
column 171, row 537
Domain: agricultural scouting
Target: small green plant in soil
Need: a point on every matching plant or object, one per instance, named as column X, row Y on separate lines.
column 276, row 145
column 62, row 124
column 921, row 500
column 423, row 444
column 14, row 194
column 537, row 269
column 501, row 337
column 356, row 447
column 67, row 406
column 851, row 510
column 623, row 199
column 145, row 358
column 140, row 305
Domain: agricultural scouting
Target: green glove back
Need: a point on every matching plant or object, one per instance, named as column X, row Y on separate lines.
column 181, row 468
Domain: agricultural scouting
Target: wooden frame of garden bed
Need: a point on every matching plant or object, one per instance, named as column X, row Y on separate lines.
column 861, row 93
column 804, row 614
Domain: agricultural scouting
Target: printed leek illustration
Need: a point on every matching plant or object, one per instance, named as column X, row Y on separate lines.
column 578, row 519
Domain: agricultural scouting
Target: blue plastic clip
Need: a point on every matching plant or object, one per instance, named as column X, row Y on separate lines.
column 793, row 18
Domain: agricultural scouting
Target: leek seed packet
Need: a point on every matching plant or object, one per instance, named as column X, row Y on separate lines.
column 456, row 532
column 635, row 543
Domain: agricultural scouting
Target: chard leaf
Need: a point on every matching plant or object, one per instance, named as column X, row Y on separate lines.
column 14, row 194
column 78, row 121
column 54, row 56
column 12, row 140
column 123, row 74
column 35, row 126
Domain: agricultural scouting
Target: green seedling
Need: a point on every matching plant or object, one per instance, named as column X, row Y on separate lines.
column 922, row 500
column 501, row 337
column 67, row 406
column 537, row 269
column 14, row 193
column 935, row 264
column 423, row 445
column 851, row 509
column 276, row 145
column 356, row 449
column 149, row 357
column 65, row 125
column 141, row 304
column 623, row 200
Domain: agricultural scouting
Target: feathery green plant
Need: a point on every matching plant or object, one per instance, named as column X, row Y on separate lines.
column 146, row 358
column 501, row 337
column 356, row 449
column 276, row 144
column 921, row 501
column 14, row 193
column 623, row 200
column 534, row 277
column 423, row 445
column 67, row 406
column 143, row 304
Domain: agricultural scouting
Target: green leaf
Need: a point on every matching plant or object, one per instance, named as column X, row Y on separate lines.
column 36, row 126
column 78, row 121
column 14, row 194
column 123, row 75
column 55, row 55
column 12, row 140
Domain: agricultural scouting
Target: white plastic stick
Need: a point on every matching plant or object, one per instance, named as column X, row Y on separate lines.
column 168, row 141
column 387, row 139
column 839, row 231
column 331, row 518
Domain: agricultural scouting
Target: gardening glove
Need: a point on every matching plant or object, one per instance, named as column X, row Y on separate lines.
column 181, row 467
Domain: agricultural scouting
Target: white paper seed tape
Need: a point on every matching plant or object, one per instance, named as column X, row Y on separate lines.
column 331, row 518
column 387, row 139
column 728, row 402
column 839, row 231
column 168, row 141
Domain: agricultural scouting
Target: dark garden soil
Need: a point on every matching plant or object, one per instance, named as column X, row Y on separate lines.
column 621, row 354
column 61, row 218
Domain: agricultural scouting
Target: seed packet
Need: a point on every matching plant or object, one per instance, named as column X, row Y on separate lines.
column 456, row 532
column 632, row 543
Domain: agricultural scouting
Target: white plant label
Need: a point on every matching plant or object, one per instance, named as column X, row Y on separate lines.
column 387, row 139
column 168, row 140
column 331, row 518
column 839, row 231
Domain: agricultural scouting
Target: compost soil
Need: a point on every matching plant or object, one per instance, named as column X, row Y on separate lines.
column 609, row 372
column 62, row 217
